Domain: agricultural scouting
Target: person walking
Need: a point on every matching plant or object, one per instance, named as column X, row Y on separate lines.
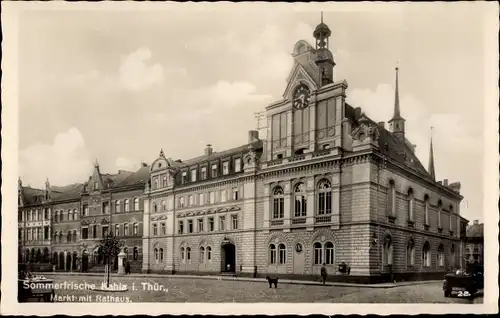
column 323, row 273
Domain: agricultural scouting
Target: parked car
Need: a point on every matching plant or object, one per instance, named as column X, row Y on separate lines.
column 31, row 287
column 464, row 283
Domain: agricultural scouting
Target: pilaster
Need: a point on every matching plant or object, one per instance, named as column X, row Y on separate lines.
column 146, row 237
column 266, row 208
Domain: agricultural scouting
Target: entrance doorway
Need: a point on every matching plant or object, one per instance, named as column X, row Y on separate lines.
column 85, row 261
column 228, row 258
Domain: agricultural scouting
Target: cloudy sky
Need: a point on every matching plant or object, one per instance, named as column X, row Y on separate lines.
column 120, row 85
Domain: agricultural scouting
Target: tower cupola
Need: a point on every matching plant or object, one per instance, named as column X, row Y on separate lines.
column 324, row 58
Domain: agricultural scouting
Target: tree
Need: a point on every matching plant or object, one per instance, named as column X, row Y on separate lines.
column 110, row 247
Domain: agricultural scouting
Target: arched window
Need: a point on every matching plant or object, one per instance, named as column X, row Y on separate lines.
column 183, row 254
column 164, row 181
column 136, row 229
column 75, row 214
column 161, row 255
column 452, row 255
column 155, row 207
column 278, row 203
column 163, row 206
column 440, row 256
column 56, row 216
column 61, row 235
column 410, row 253
column 300, row 200
column 117, row 206
column 411, row 205
column 117, row 230
column 318, row 253
column 439, row 213
column 282, row 253
column 188, row 253
column 426, row 210
column 272, row 254
column 136, row 254
column 125, row 250
column 202, row 254
column 70, row 215
column 56, row 237
column 324, row 197
column 136, row 204
column 391, row 199
column 127, row 205
column 69, row 236
column 388, row 250
column 156, row 255
column 155, row 229
column 329, row 254
column 209, row 253
column 74, row 235
column 426, row 254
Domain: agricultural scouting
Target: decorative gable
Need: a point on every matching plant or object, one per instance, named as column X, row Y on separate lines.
column 299, row 76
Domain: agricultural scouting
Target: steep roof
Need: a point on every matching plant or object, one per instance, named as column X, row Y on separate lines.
column 389, row 144
column 216, row 155
column 29, row 195
column 141, row 176
column 475, row 231
column 68, row 192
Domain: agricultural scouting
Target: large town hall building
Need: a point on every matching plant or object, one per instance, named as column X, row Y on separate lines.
column 329, row 186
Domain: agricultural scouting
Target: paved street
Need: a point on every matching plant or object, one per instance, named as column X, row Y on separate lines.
column 204, row 290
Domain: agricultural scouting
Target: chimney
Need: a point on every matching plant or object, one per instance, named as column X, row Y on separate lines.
column 445, row 182
column 440, row 182
column 455, row 186
column 381, row 125
column 476, row 222
column 253, row 136
column 143, row 164
column 357, row 113
column 208, row 150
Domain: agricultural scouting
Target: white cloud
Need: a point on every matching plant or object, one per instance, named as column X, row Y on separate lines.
column 64, row 161
column 136, row 74
column 122, row 163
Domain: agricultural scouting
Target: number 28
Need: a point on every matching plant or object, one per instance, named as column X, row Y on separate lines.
column 463, row 294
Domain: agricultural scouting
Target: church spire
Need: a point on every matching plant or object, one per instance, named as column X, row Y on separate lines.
column 397, row 123
column 431, row 161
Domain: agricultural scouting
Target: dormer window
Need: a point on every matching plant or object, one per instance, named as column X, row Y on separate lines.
column 193, row 175
column 225, row 168
column 96, row 186
column 203, row 173
column 155, row 182
column 237, row 165
column 184, row 177
column 164, row 181
column 214, row 170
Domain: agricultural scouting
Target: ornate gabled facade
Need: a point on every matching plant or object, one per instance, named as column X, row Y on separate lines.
column 329, row 186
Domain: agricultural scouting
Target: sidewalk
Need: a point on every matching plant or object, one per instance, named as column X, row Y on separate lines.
column 247, row 279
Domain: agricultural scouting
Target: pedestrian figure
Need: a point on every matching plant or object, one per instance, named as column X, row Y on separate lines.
column 323, row 273
column 127, row 268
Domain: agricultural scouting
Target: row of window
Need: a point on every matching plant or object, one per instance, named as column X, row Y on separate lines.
column 34, row 215
column 35, row 234
column 205, row 254
column 210, row 197
column 391, row 198
column 323, row 195
column 117, row 206
column 323, row 254
column 70, row 236
column 425, row 257
column 105, row 230
column 211, row 225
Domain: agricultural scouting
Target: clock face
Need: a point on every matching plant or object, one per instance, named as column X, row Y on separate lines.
column 301, row 97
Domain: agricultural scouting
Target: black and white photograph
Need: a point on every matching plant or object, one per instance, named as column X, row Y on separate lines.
column 249, row 158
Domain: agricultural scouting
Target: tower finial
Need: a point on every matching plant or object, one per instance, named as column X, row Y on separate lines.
column 96, row 163
column 321, row 16
column 431, row 169
column 397, row 123
column 397, row 111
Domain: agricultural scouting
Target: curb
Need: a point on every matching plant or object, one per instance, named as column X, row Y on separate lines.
column 260, row 280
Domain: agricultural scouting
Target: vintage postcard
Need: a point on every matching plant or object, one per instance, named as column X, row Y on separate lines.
column 249, row 158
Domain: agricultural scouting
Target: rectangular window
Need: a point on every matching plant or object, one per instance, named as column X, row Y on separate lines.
column 222, row 223
column 234, row 221
column 85, row 233
column 125, row 229
column 190, row 226
column 163, row 229
column 155, row 229
column 235, row 193
column 105, row 207
column 193, row 175
column 29, row 234
column 164, row 181
column 211, row 224
column 96, row 185
column 46, row 233
column 200, row 199
column 225, row 167
column 181, row 202
column 212, row 197
column 223, row 197
column 94, row 231
column 191, row 200
column 200, row 225
column 105, row 231
column 214, row 170
column 46, row 214
column 237, row 165
column 203, row 173
column 85, row 210
column 181, row 227
column 117, row 230
column 184, row 177
column 155, row 183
